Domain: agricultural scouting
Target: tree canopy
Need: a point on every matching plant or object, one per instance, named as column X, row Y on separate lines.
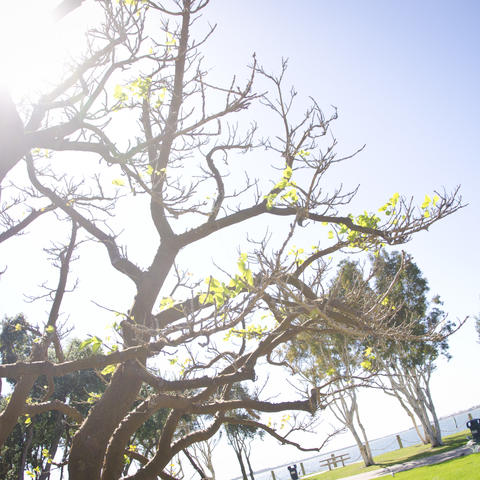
column 408, row 365
column 139, row 150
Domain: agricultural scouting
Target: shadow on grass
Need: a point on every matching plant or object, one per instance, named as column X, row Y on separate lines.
column 450, row 443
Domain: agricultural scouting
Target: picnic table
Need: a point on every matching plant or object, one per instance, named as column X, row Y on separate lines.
column 334, row 460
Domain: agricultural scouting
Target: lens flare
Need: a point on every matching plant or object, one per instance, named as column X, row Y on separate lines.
column 34, row 47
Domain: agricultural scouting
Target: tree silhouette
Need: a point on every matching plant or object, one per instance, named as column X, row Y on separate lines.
column 145, row 155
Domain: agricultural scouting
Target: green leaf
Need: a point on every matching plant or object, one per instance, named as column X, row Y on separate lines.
column 368, row 353
column 118, row 92
column 85, row 343
column 166, row 303
column 50, row 329
column 242, row 263
column 96, row 343
column 93, row 397
column 426, row 202
column 303, row 153
column 287, row 173
column 118, row 182
column 366, row 364
column 108, row 370
column 170, row 39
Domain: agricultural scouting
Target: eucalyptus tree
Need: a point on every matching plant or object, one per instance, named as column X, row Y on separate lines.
column 337, row 362
column 202, row 453
column 407, row 366
column 36, row 443
column 240, row 436
column 341, row 362
column 143, row 152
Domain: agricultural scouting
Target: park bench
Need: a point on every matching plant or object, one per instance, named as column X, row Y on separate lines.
column 334, row 460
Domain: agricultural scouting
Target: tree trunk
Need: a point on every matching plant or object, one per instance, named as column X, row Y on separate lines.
column 428, row 427
column 45, row 475
column 431, row 407
column 364, row 451
column 346, row 415
column 195, row 464
column 242, row 465
column 395, row 393
column 247, row 458
column 90, row 442
column 26, row 448
column 421, row 413
column 415, row 396
column 368, row 451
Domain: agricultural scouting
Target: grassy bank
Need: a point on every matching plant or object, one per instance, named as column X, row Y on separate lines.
column 397, row 456
column 458, row 468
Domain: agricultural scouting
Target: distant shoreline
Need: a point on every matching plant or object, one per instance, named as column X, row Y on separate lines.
column 320, row 454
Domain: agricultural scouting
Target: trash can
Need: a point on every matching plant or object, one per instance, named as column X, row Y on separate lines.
column 293, row 472
column 474, row 426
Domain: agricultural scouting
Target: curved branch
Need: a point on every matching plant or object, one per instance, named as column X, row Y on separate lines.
column 261, row 406
column 24, row 223
column 274, row 434
column 36, row 408
column 16, row 370
column 119, row 262
column 163, row 385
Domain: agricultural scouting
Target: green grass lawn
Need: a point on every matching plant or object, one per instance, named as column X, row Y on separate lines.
column 467, row 468
column 397, row 456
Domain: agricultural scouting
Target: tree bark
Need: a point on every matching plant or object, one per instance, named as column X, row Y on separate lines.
column 242, row 465
column 368, row 451
column 409, row 385
column 26, row 448
column 90, row 442
column 431, row 407
column 247, row 458
column 45, row 475
column 422, row 438
column 346, row 415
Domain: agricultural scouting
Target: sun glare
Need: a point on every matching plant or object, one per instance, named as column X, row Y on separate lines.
column 33, row 47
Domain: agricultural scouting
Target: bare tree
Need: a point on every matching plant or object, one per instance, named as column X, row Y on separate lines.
column 141, row 107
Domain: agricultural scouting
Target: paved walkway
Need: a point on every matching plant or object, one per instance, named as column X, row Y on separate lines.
column 440, row 457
